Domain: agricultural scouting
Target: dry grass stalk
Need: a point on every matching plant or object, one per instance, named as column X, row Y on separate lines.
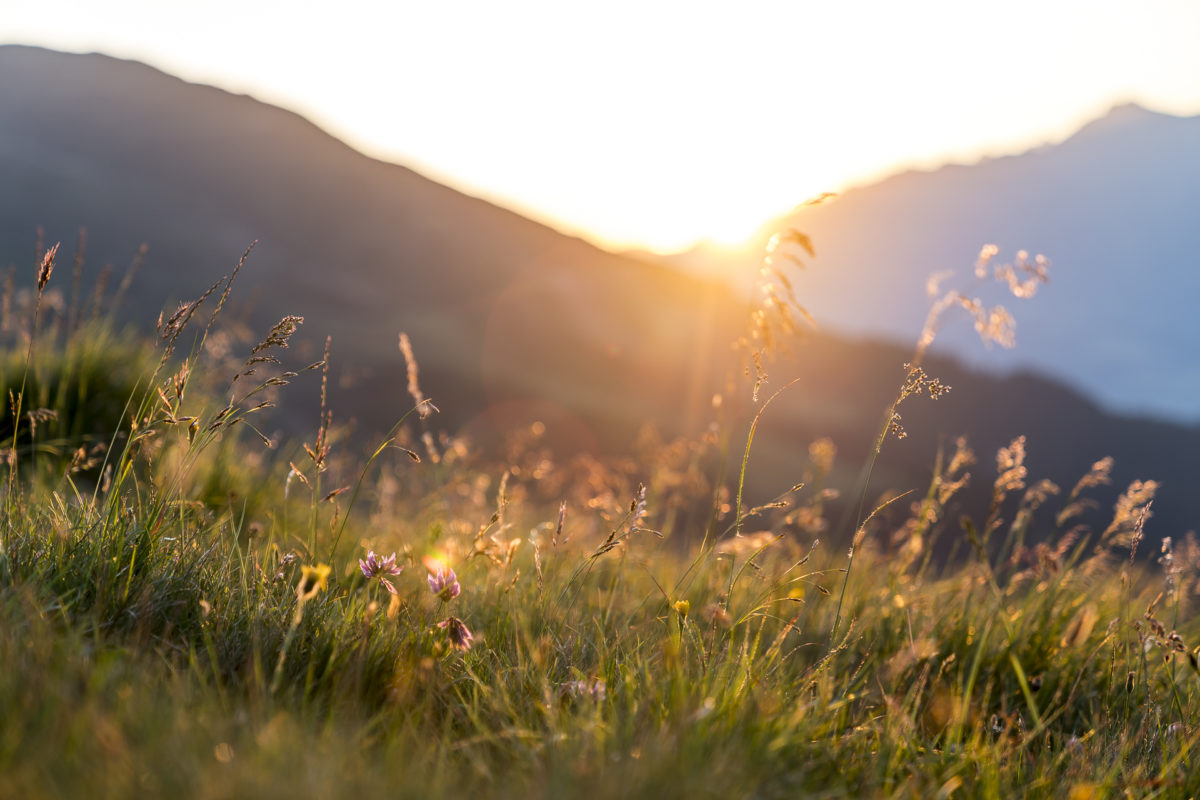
column 1099, row 475
column 46, row 268
column 413, row 372
column 170, row 330
column 1130, row 513
column 778, row 315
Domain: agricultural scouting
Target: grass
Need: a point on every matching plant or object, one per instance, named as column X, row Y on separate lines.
column 182, row 616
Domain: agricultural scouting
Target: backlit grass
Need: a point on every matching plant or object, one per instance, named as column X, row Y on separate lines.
column 183, row 613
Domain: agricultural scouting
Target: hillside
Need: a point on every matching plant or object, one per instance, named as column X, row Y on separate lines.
column 500, row 309
column 513, row 321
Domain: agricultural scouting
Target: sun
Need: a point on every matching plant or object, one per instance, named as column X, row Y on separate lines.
column 675, row 227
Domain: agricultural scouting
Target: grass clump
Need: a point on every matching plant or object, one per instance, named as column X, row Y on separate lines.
column 304, row 627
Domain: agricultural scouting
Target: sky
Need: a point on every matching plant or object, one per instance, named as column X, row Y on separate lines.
column 659, row 124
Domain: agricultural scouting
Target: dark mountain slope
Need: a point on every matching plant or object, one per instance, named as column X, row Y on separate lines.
column 360, row 248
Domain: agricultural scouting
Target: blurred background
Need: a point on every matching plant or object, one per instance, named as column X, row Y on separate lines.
column 566, row 207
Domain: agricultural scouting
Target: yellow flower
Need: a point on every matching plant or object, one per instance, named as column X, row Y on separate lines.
column 682, row 607
column 313, row 580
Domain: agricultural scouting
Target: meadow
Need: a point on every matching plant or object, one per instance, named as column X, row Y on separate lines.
column 187, row 611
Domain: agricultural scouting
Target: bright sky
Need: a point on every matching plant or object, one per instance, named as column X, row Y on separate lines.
column 656, row 124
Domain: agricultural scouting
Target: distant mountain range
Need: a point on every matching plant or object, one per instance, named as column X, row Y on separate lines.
column 1116, row 208
column 513, row 321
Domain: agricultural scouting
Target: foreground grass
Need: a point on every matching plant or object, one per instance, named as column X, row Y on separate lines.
column 176, row 621
column 148, row 659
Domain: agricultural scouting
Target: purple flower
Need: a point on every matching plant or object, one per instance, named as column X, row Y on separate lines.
column 460, row 637
column 377, row 566
column 443, row 582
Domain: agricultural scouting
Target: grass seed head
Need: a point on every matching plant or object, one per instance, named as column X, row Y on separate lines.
column 46, row 268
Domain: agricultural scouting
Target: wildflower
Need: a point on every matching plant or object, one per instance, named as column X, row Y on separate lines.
column 377, row 566
column 442, row 581
column 682, row 607
column 456, row 630
column 313, row 580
